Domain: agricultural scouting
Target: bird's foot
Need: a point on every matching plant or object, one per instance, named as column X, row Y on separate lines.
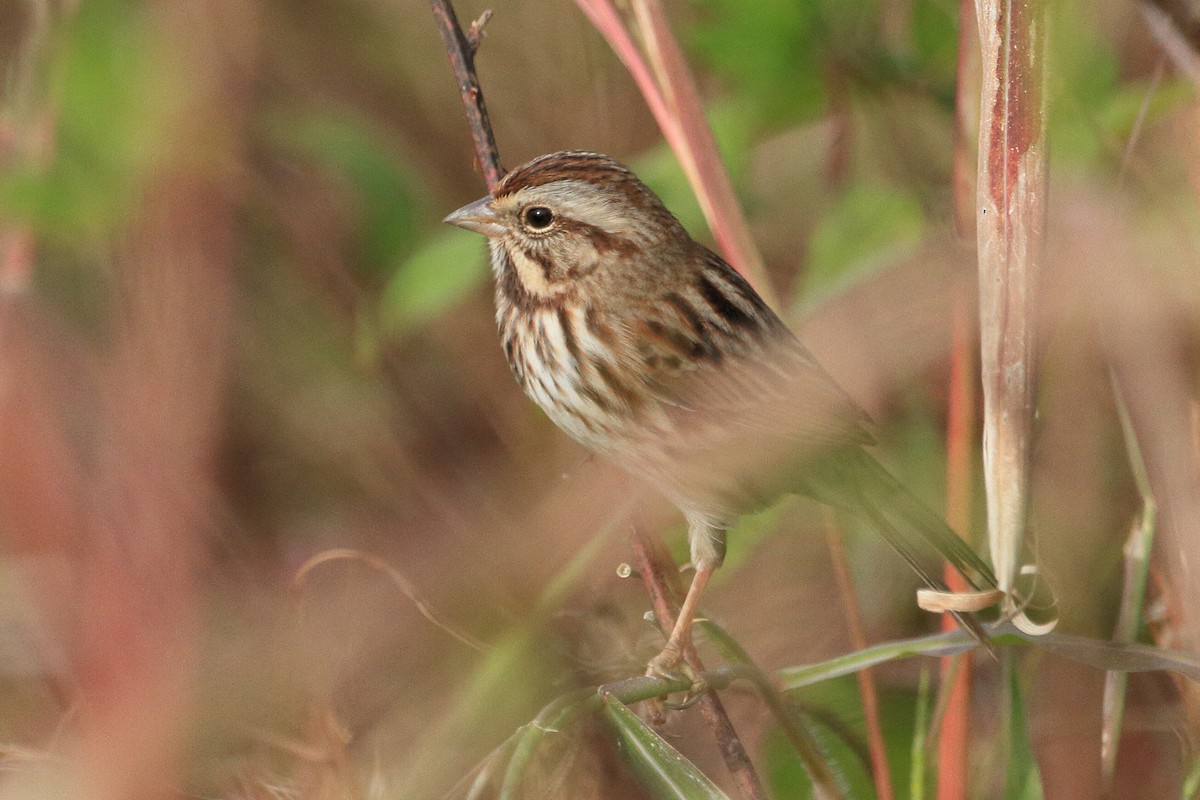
column 670, row 665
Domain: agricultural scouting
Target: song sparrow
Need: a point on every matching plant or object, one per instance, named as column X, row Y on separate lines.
column 646, row 347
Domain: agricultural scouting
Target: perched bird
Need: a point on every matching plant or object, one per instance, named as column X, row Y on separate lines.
column 649, row 349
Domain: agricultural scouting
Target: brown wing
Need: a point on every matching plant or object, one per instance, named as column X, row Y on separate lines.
column 743, row 405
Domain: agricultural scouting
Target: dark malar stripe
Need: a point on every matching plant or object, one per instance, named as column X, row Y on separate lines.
column 508, row 284
column 543, row 260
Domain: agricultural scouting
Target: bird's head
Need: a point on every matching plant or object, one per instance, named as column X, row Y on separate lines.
column 565, row 217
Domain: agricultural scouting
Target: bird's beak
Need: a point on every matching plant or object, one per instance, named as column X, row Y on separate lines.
column 479, row 217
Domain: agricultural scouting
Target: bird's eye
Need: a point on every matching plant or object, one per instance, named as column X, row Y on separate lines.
column 538, row 217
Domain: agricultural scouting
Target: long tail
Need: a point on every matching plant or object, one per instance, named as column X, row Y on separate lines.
column 858, row 483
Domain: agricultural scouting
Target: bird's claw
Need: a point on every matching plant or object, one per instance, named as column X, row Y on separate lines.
column 669, row 665
column 693, row 694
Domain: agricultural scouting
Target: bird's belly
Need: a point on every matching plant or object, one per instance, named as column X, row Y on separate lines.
column 702, row 462
column 696, row 474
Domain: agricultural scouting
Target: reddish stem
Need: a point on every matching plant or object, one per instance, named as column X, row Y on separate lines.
column 952, row 744
column 953, row 756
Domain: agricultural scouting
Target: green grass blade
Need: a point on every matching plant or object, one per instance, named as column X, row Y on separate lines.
column 1022, row 780
column 660, row 769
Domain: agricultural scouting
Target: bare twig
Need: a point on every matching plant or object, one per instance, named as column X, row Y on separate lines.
column 461, row 47
column 475, row 33
column 660, row 579
column 826, row 785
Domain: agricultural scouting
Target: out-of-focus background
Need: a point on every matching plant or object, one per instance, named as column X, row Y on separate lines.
column 235, row 337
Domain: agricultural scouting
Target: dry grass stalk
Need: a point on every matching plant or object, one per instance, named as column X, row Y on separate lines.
column 1010, row 220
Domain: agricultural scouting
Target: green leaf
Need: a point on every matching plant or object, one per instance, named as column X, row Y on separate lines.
column 431, row 280
column 1191, row 782
column 787, row 777
column 918, row 774
column 1098, row 653
column 658, row 767
column 935, row 34
column 832, row 716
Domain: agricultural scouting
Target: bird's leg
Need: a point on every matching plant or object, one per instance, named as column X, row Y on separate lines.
column 667, row 662
column 706, row 538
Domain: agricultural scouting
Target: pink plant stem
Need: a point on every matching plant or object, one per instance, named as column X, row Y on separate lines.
column 662, row 75
column 953, row 754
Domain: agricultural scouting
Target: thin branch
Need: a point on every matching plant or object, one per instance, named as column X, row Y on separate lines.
column 660, row 579
column 475, row 33
column 461, row 47
column 788, row 714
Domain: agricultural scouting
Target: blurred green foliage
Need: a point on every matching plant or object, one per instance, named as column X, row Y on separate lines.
column 116, row 96
column 756, row 45
column 869, row 228
column 834, row 713
column 388, row 208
